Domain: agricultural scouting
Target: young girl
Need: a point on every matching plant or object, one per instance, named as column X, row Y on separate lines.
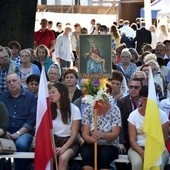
column 66, row 121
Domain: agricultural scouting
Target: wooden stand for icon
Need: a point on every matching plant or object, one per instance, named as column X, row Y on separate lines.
column 95, row 144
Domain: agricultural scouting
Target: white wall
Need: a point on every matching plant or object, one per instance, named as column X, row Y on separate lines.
column 63, row 2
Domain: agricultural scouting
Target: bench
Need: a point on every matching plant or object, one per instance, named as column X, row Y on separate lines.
column 121, row 159
column 27, row 155
column 30, row 155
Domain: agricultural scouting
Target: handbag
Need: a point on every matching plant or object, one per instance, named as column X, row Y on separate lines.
column 7, row 146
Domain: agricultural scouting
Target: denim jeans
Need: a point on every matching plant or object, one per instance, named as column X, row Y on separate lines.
column 23, row 145
column 64, row 63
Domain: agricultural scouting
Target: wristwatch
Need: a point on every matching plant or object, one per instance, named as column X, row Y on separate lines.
column 18, row 133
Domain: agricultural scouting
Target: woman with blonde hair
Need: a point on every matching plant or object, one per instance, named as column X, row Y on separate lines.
column 157, row 79
column 115, row 34
column 163, row 33
column 149, row 57
column 42, row 53
column 152, row 29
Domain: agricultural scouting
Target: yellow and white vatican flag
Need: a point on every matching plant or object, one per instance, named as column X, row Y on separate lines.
column 155, row 145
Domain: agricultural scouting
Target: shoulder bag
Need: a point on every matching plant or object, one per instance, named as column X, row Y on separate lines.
column 7, row 146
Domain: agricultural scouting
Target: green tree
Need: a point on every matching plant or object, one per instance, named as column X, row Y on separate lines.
column 17, row 21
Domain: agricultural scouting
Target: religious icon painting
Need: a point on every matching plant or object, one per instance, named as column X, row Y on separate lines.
column 95, row 56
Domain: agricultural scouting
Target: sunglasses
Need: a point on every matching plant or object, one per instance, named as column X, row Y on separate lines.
column 13, row 47
column 134, row 87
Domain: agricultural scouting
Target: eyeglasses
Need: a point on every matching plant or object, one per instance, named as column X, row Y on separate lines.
column 125, row 57
column 55, row 74
column 24, row 56
column 113, row 56
column 134, row 87
column 84, row 32
column 3, row 57
column 142, row 78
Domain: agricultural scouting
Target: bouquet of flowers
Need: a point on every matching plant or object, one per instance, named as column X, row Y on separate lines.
column 95, row 90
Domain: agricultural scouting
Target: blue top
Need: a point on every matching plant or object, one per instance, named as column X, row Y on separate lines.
column 128, row 72
column 21, row 110
column 36, row 70
column 47, row 63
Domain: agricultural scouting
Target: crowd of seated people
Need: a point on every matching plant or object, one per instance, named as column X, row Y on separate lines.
column 73, row 121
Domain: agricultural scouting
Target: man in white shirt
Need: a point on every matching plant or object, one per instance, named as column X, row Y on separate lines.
column 63, row 50
column 129, row 31
column 92, row 28
column 160, row 52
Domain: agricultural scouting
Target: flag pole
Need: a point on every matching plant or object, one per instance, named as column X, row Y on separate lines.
column 53, row 144
column 95, row 143
column 148, row 17
column 43, row 156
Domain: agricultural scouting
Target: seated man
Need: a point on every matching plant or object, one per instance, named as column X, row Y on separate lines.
column 6, row 67
column 21, row 106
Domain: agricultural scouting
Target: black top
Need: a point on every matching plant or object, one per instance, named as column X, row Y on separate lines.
column 76, row 95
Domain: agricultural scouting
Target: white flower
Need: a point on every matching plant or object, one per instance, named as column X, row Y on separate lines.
column 89, row 99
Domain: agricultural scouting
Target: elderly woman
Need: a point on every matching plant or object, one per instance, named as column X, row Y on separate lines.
column 27, row 68
column 118, row 68
column 137, row 136
column 159, row 93
column 128, row 67
column 54, row 73
column 157, row 79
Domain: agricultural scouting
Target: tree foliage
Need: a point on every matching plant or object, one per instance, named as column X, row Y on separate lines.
column 17, row 22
